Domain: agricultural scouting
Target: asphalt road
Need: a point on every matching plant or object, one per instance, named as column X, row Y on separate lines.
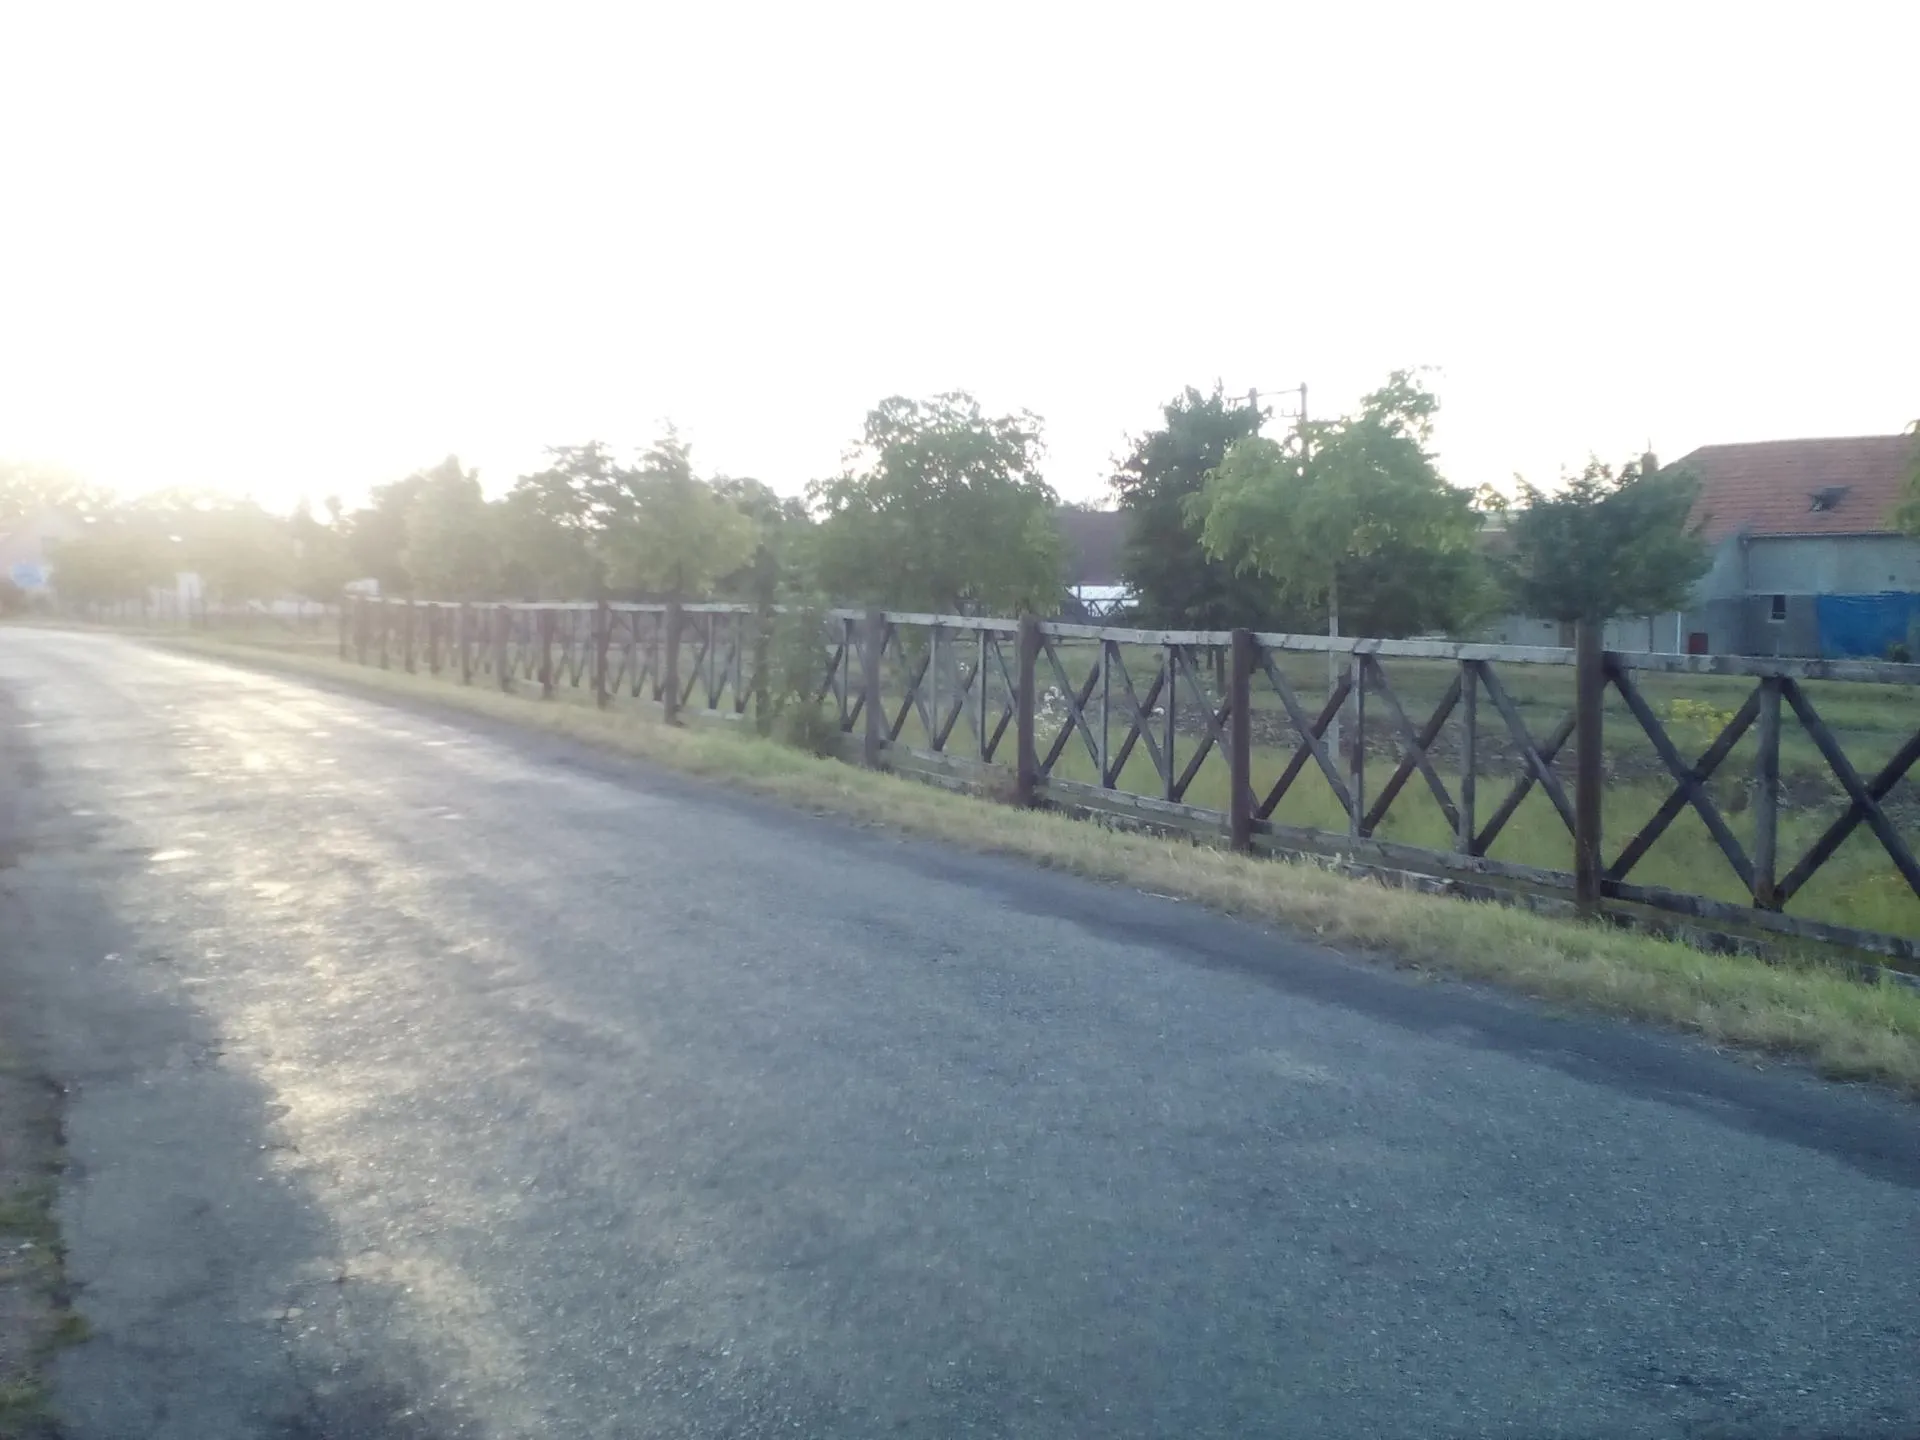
column 429, row 1080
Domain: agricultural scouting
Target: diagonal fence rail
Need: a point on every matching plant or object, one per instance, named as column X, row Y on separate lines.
column 1512, row 756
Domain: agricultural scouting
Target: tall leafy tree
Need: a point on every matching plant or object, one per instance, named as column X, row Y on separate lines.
column 1365, row 495
column 1608, row 542
column 453, row 537
column 780, row 524
column 552, row 519
column 240, row 551
column 942, row 507
column 671, row 531
column 1175, row 581
column 115, row 558
column 376, row 534
column 321, row 565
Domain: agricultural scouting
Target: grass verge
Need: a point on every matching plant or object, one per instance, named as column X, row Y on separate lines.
column 1845, row 1028
column 36, row 1318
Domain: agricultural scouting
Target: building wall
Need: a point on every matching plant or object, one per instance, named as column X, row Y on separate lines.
column 1832, row 565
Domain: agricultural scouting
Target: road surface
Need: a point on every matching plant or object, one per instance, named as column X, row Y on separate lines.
column 431, row 1080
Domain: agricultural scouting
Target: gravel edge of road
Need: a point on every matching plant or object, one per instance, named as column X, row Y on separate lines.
column 37, row 1318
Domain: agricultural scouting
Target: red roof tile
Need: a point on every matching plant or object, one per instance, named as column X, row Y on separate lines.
column 1801, row 487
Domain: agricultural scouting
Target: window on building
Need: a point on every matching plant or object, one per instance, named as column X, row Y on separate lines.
column 1779, row 611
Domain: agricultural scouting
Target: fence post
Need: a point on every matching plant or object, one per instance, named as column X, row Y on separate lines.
column 463, row 636
column 502, row 618
column 762, row 681
column 1239, row 743
column 1357, row 756
column 1590, row 681
column 602, row 636
column 670, row 663
column 543, row 634
column 1469, row 744
column 843, row 688
column 1027, row 752
column 873, row 637
column 1766, row 798
column 386, row 627
column 406, row 636
column 345, row 624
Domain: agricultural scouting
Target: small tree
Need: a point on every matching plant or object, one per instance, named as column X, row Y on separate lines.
column 1606, row 543
column 1365, row 487
column 1907, row 517
column 1174, row 580
column 941, row 508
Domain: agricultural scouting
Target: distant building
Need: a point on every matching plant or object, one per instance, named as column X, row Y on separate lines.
column 1095, row 588
column 1806, row 561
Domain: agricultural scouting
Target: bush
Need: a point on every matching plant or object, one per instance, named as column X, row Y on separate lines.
column 797, row 657
column 1899, row 653
column 812, row 728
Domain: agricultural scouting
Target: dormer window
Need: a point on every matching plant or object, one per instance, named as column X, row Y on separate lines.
column 1827, row 498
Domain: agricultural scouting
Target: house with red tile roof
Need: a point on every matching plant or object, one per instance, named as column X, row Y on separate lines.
column 1806, row 558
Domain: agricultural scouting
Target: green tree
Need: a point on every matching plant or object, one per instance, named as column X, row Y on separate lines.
column 1606, row 543
column 114, row 559
column 240, row 552
column 1907, row 517
column 941, row 508
column 671, row 531
column 1175, row 582
column 321, row 565
column 376, row 535
column 552, row 520
column 453, row 539
column 780, row 525
column 1364, row 499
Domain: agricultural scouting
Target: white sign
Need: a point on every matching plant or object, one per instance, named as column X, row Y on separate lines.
column 29, row 575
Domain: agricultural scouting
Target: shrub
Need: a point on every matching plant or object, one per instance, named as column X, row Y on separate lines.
column 810, row 727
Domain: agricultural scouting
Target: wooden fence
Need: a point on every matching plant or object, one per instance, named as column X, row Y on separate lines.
column 1017, row 703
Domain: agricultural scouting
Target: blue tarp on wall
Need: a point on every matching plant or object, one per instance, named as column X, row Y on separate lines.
column 1865, row 625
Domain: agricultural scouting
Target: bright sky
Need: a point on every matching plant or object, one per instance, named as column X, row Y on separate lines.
column 291, row 250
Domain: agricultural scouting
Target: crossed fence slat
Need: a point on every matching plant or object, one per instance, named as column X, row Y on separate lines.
column 1692, row 782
